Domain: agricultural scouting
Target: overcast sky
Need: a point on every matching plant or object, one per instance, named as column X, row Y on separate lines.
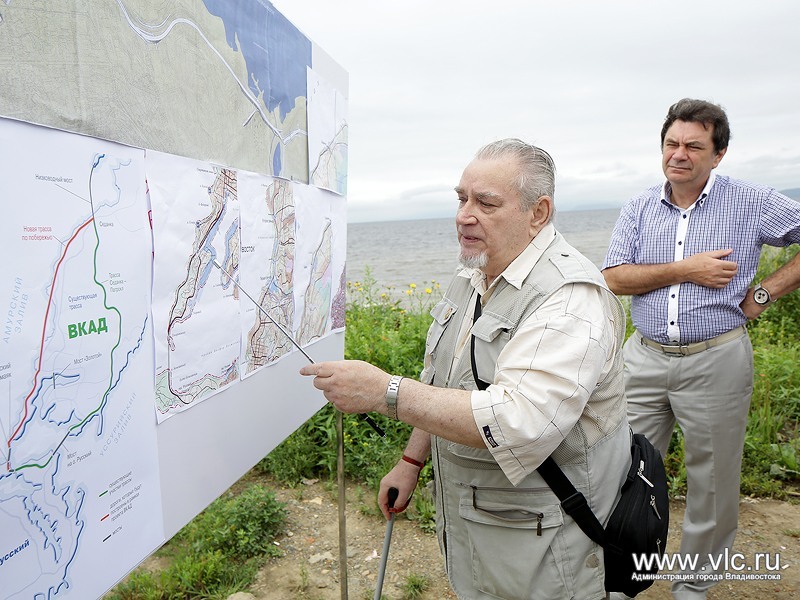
column 589, row 81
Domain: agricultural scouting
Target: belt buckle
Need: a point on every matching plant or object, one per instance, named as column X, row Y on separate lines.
column 667, row 349
column 681, row 350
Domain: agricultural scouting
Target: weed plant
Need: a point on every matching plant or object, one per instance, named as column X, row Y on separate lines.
column 772, row 448
column 390, row 333
column 216, row 554
column 414, row 586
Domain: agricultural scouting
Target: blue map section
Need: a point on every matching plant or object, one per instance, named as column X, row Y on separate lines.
column 275, row 51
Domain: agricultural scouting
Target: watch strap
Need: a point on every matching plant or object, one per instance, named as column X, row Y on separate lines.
column 391, row 395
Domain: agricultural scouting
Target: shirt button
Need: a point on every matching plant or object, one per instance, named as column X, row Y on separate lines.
column 673, row 295
column 684, row 216
column 680, row 243
column 672, row 322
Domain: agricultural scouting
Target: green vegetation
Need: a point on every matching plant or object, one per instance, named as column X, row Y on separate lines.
column 216, row 554
column 391, row 334
column 772, row 445
column 414, row 586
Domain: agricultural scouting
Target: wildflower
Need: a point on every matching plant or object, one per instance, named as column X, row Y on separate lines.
column 428, row 291
column 413, row 286
column 409, row 292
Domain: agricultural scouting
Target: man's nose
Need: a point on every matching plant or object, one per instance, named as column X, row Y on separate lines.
column 465, row 213
column 680, row 153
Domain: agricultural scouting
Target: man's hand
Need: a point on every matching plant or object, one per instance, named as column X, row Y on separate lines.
column 403, row 477
column 709, row 269
column 352, row 386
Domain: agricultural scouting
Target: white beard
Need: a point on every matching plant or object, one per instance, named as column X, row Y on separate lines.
column 473, row 262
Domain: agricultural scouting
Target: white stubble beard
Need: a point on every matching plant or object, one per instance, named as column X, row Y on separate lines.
column 473, row 262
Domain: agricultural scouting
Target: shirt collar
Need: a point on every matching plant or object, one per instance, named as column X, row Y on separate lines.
column 666, row 189
column 519, row 268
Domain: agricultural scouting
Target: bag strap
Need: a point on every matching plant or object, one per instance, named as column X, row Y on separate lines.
column 572, row 501
column 482, row 385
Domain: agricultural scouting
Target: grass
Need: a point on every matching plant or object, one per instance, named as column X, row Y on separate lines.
column 216, row 554
column 414, row 586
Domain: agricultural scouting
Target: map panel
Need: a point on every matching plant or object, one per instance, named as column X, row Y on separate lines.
column 320, row 263
column 216, row 80
column 195, row 304
column 79, row 471
column 267, row 268
column 327, row 135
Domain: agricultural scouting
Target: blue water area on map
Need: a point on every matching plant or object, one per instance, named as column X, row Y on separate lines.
column 275, row 51
column 276, row 160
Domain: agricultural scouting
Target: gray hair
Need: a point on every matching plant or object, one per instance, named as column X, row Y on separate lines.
column 537, row 171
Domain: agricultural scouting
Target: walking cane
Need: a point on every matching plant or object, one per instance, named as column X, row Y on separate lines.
column 387, row 538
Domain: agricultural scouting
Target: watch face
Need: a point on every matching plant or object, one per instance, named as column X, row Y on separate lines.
column 761, row 296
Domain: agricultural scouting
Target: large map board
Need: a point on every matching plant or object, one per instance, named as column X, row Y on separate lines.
column 154, row 152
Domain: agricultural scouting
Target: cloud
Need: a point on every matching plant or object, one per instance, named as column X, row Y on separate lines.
column 431, row 82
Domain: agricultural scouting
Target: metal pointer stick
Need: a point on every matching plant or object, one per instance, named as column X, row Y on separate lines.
column 288, row 335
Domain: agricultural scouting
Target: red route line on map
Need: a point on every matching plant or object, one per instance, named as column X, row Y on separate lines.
column 44, row 329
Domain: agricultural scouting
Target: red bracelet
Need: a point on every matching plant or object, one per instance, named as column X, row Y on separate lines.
column 413, row 461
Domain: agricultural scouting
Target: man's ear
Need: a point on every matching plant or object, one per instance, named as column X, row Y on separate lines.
column 541, row 213
column 718, row 157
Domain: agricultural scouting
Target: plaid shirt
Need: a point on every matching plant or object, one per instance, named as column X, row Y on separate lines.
column 728, row 214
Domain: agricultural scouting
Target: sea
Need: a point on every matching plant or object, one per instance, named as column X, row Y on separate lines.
column 423, row 252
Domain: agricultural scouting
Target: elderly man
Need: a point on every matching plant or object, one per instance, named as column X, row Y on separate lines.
column 687, row 251
column 523, row 361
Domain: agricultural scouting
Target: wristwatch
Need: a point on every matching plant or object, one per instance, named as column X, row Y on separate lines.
column 391, row 395
column 761, row 295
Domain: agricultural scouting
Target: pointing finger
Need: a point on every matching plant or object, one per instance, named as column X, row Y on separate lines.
column 310, row 369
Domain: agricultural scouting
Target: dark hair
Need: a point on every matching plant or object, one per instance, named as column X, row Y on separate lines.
column 705, row 113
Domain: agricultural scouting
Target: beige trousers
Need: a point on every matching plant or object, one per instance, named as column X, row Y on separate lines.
column 708, row 395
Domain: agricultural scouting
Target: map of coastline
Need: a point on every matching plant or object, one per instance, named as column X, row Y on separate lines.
column 79, row 467
column 156, row 156
column 166, row 49
column 320, row 256
column 195, row 305
column 268, row 261
column 327, row 135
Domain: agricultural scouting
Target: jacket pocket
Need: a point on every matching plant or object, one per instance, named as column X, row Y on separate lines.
column 516, row 549
column 491, row 335
column 441, row 313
